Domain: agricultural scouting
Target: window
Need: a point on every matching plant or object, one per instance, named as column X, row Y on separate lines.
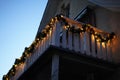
column 87, row 15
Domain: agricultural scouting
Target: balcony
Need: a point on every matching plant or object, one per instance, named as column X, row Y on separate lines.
column 69, row 36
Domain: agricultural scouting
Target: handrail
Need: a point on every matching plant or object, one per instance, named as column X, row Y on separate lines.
column 66, row 33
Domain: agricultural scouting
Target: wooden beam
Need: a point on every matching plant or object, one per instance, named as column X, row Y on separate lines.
column 55, row 67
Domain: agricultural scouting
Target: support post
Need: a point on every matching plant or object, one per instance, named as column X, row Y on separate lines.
column 55, row 67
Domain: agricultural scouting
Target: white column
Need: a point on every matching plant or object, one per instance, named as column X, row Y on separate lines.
column 99, row 50
column 93, row 46
column 87, row 35
column 55, row 68
column 109, row 51
column 70, row 40
column 76, row 42
column 57, row 34
column 64, row 40
column 82, row 43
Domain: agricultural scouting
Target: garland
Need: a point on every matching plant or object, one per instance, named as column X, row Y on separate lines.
column 29, row 50
column 86, row 28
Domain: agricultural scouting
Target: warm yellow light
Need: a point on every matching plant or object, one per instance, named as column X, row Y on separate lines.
column 108, row 41
column 64, row 27
column 38, row 39
column 47, row 26
column 89, row 25
column 67, row 26
column 96, row 36
column 56, row 19
column 103, row 44
column 52, row 19
column 81, row 28
column 61, row 16
column 95, row 33
column 15, row 65
column 50, row 31
column 114, row 37
column 93, row 37
column 22, row 65
column 7, row 79
column 98, row 40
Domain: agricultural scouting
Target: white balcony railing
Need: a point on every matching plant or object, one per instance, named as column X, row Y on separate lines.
column 61, row 35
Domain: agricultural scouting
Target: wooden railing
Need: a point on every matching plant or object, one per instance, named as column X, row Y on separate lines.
column 82, row 43
column 58, row 35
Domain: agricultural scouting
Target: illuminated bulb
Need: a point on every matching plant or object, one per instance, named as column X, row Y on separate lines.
column 37, row 39
column 67, row 26
column 7, row 79
column 98, row 40
column 108, row 41
column 64, row 27
column 61, row 16
column 15, row 65
column 52, row 20
column 88, row 25
column 96, row 36
column 104, row 38
column 95, row 33
column 81, row 29
column 51, row 23
column 56, row 19
column 114, row 37
column 19, row 58
column 103, row 44
column 47, row 26
column 93, row 37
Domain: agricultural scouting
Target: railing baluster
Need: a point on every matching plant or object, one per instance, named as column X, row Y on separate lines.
column 76, row 42
column 64, row 42
column 104, row 50
column 70, row 40
column 82, row 43
column 99, row 50
column 57, row 34
column 93, row 52
column 39, row 48
column 47, row 41
column 43, row 47
column 109, row 51
column 49, row 38
column 53, row 35
column 87, row 35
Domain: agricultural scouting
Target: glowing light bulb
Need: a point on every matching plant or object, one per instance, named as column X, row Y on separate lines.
column 98, row 40
column 103, row 44
column 93, row 37
column 61, row 16
column 64, row 27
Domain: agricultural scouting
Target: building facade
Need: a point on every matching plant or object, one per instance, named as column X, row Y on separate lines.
column 81, row 43
column 101, row 14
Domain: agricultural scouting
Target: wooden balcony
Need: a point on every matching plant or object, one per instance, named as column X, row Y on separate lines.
column 69, row 37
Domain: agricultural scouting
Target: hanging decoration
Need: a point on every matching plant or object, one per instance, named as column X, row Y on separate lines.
column 99, row 35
